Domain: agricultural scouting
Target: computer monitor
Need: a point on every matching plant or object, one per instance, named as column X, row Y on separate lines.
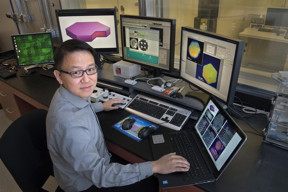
column 97, row 27
column 149, row 42
column 33, row 49
column 277, row 17
column 211, row 62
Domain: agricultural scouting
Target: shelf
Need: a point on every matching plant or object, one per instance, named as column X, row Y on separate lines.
column 269, row 36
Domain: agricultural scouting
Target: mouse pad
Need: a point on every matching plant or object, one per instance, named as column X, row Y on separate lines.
column 138, row 124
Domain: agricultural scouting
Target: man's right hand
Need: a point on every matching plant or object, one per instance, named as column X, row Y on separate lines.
column 170, row 163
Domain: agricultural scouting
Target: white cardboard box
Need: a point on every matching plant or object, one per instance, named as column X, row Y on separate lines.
column 126, row 69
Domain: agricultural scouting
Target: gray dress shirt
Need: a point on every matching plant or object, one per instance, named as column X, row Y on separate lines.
column 77, row 147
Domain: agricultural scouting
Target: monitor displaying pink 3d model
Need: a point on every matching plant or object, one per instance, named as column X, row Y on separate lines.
column 97, row 27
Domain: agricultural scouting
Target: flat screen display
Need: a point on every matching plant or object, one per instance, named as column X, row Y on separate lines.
column 211, row 62
column 97, row 27
column 277, row 17
column 220, row 136
column 33, row 48
column 148, row 41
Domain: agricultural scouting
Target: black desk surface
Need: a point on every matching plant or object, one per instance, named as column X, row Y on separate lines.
column 36, row 86
column 257, row 167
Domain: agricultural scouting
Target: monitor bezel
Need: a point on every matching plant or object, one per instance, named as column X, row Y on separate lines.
column 91, row 12
column 236, row 63
column 34, row 34
column 168, row 71
column 233, row 124
column 274, row 24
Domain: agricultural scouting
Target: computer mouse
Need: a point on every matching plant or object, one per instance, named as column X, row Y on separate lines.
column 118, row 104
column 145, row 132
column 128, row 123
column 30, row 71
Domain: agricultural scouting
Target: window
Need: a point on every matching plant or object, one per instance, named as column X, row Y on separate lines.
column 265, row 52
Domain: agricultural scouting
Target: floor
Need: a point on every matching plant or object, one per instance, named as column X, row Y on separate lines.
column 7, row 183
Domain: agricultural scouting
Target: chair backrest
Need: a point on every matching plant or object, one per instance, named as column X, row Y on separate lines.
column 24, row 152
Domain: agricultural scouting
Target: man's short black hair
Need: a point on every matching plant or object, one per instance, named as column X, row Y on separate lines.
column 68, row 47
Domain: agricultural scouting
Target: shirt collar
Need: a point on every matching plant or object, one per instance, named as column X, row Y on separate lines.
column 73, row 99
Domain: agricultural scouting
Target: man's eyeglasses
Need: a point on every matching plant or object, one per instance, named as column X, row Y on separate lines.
column 80, row 73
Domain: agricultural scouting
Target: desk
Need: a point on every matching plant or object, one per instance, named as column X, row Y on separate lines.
column 106, row 76
column 267, row 36
column 258, row 166
column 26, row 93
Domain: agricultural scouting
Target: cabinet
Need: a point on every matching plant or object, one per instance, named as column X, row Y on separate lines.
column 15, row 103
column 277, row 132
column 8, row 102
column 265, row 53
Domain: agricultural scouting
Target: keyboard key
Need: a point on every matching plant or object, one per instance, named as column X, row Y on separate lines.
column 178, row 119
column 159, row 112
column 186, row 148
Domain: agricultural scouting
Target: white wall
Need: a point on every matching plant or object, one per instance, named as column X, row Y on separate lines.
column 184, row 11
column 73, row 4
column 8, row 27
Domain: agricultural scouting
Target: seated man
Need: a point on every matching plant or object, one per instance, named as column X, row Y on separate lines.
column 75, row 141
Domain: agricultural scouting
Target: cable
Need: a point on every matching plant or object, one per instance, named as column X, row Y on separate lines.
column 190, row 86
column 174, row 81
column 250, row 110
column 163, row 81
column 244, row 114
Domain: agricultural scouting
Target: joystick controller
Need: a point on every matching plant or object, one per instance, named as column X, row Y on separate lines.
column 101, row 95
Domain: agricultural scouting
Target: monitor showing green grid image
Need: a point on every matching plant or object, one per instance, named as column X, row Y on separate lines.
column 33, row 48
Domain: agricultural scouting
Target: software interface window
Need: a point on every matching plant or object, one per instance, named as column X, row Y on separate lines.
column 147, row 41
column 218, row 135
column 208, row 62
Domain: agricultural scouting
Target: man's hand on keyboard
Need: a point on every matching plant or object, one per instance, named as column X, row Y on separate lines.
column 170, row 163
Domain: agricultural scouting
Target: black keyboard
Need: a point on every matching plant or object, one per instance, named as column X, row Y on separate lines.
column 7, row 73
column 159, row 112
column 47, row 72
column 187, row 148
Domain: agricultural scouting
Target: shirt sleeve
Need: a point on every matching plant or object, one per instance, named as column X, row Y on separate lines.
column 98, row 107
column 92, row 160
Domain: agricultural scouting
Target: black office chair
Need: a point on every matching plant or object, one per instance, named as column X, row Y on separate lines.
column 24, row 152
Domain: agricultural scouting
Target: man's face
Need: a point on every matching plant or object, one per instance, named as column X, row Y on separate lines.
column 82, row 86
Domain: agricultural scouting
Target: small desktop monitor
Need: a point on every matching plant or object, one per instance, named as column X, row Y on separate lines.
column 277, row 17
column 149, row 42
column 211, row 62
column 33, row 49
column 97, row 27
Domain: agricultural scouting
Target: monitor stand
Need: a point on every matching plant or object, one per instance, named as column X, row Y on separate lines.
column 152, row 72
column 97, row 59
column 26, row 68
column 198, row 95
column 110, row 58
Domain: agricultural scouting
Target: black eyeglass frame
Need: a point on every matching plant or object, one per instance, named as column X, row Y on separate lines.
column 73, row 73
